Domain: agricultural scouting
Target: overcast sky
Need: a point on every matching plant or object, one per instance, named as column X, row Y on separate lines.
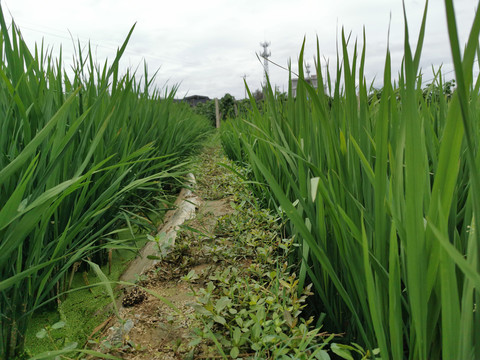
column 208, row 46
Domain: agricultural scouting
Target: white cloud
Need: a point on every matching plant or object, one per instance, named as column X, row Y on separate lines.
column 208, row 46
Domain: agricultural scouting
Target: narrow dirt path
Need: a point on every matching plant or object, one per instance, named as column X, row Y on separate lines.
column 225, row 290
column 162, row 324
column 157, row 322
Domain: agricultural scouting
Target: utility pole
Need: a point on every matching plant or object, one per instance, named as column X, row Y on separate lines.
column 265, row 54
column 307, row 66
column 217, row 114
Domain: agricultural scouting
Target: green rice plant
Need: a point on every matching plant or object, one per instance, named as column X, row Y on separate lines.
column 73, row 150
column 381, row 195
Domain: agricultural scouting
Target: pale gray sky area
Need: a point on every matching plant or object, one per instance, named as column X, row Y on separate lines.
column 208, row 46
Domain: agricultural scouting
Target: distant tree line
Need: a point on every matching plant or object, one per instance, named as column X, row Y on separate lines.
column 231, row 108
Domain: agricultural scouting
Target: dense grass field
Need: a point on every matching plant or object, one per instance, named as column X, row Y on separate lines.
column 80, row 156
column 381, row 189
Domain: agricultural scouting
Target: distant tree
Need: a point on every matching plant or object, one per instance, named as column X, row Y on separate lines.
column 375, row 95
column 244, row 107
column 227, row 106
column 432, row 92
column 282, row 96
column 258, row 95
column 231, row 108
column 207, row 109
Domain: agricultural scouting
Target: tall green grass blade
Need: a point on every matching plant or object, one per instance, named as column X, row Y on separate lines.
column 104, row 280
column 463, row 72
column 414, row 200
column 32, row 146
column 390, row 174
column 76, row 150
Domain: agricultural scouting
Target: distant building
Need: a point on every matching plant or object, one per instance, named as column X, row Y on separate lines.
column 312, row 80
column 195, row 99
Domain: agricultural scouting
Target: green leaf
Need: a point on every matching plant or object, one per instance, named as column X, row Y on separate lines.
column 14, row 205
column 41, row 334
column 256, row 330
column 237, row 334
column 105, row 282
column 52, row 354
column 222, row 303
column 321, row 354
column 314, row 187
column 32, row 146
column 288, row 318
column 234, row 352
column 195, row 342
column 59, row 325
column 219, row 319
column 340, row 350
column 71, row 346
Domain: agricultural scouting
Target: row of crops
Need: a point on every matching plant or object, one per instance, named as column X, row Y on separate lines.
column 75, row 150
column 382, row 194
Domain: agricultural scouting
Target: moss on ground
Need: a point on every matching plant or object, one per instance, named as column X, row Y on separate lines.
column 82, row 310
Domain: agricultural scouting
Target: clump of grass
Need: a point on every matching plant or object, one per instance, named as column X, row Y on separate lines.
column 382, row 197
column 73, row 152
